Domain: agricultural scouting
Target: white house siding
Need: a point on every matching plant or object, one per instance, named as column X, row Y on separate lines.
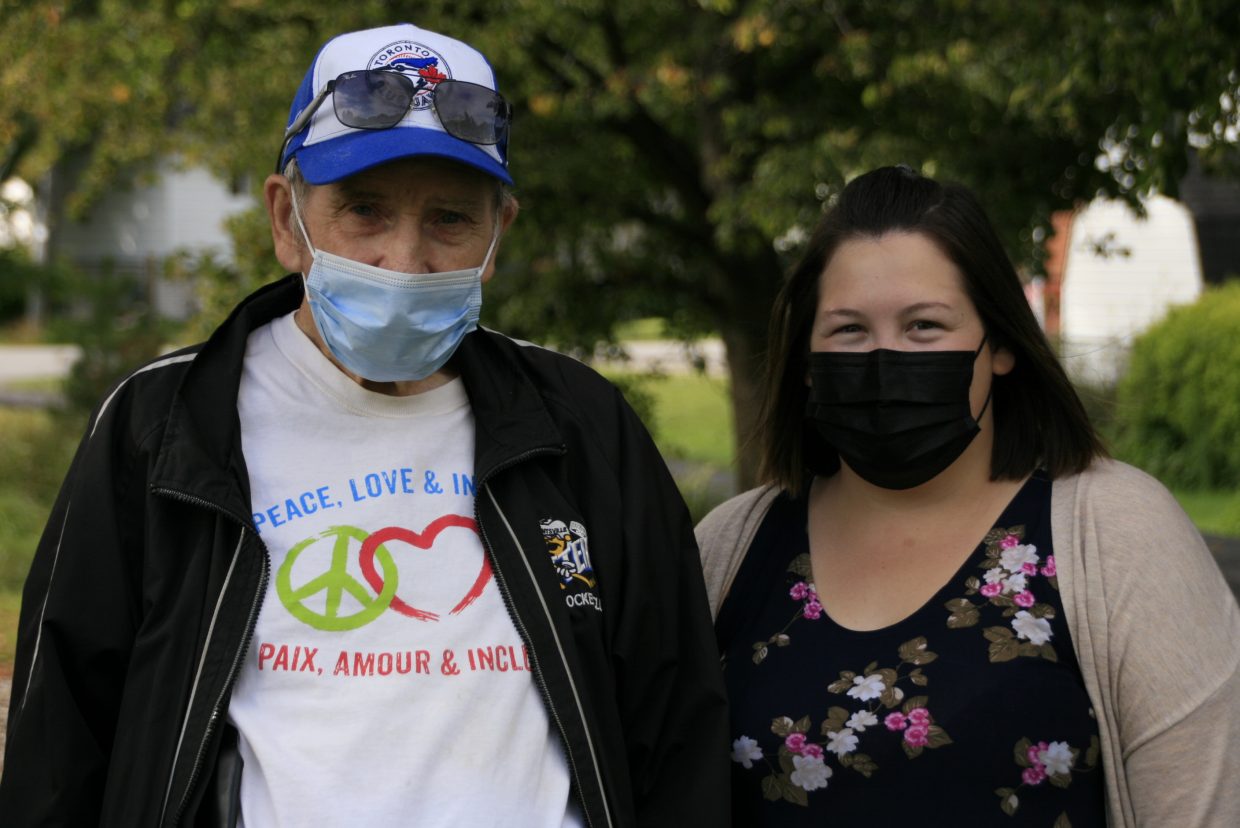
column 1122, row 274
column 182, row 210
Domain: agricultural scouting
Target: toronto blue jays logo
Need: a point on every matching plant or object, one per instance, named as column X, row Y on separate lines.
column 425, row 67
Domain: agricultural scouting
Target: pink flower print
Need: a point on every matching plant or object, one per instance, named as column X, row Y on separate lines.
column 799, row 590
column 991, row 590
column 917, row 735
column 1049, row 570
column 1029, row 568
column 812, row 609
column 896, row 721
column 1024, row 599
column 919, row 716
column 1034, row 776
column 812, row 750
column 1033, row 752
column 1009, row 542
column 795, row 742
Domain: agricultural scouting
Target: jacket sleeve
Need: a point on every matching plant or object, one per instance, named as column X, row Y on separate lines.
column 1158, row 632
column 670, row 683
column 76, row 623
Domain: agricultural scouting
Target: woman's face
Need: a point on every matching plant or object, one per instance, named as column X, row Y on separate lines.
column 899, row 292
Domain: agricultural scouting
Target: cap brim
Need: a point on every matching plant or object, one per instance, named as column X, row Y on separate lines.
column 346, row 155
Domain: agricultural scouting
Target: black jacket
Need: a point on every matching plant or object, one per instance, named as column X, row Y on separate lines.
column 147, row 582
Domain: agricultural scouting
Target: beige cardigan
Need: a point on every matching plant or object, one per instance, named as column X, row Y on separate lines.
column 1155, row 627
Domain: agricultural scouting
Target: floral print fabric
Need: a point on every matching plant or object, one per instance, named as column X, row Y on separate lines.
column 970, row 711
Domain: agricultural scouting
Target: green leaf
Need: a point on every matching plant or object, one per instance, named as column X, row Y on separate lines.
column 836, row 719
column 1060, row 780
column 802, row 725
column 870, row 668
column 760, row 655
column 771, row 789
column 1091, row 753
column 914, row 702
column 1021, row 753
column 1009, row 802
column 909, row 650
column 800, row 567
column 937, row 737
column 918, row 678
column 863, row 764
column 1062, row 822
column 781, row 726
column 1004, row 650
column 997, row 634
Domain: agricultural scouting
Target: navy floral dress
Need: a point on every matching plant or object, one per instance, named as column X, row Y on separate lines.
column 971, row 711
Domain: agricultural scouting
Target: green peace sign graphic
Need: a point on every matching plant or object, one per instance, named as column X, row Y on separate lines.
column 336, row 581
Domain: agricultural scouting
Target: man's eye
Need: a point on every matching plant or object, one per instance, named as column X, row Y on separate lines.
column 452, row 218
column 363, row 210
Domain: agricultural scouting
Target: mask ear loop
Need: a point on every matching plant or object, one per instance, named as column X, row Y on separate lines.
column 494, row 241
column 292, row 189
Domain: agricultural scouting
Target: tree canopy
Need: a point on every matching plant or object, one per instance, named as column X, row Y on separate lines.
column 670, row 157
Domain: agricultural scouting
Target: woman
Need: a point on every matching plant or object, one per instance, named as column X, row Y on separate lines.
column 948, row 606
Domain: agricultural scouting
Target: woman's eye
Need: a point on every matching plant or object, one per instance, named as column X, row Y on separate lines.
column 926, row 325
column 847, row 329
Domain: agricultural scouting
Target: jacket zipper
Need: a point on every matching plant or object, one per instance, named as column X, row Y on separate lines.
column 524, row 633
column 233, row 668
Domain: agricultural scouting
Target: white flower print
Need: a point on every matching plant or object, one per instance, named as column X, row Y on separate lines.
column 842, row 741
column 860, row 720
column 867, row 687
column 811, row 772
column 1034, row 630
column 1057, row 757
column 1016, row 583
column 994, row 575
column 746, row 751
column 1017, row 556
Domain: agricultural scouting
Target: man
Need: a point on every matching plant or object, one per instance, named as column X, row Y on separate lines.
column 354, row 561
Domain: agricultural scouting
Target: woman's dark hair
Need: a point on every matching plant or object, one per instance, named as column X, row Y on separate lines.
column 1039, row 419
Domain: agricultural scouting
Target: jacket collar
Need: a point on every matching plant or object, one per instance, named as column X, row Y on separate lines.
column 201, row 456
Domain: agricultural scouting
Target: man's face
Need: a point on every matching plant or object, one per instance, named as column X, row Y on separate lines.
column 415, row 215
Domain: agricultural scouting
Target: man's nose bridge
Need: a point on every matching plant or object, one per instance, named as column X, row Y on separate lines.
column 409, row 247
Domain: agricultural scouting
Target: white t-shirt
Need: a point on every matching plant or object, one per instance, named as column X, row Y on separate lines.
column 385, row 683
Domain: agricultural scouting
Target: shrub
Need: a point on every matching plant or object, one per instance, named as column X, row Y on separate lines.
column 1178, row 406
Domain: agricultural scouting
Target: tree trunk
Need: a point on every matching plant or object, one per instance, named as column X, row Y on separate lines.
column 751, row 287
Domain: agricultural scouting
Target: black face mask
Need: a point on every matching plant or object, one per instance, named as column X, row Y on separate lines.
column 897, row 418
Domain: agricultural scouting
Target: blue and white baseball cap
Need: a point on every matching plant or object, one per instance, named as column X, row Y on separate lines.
column 328, row 151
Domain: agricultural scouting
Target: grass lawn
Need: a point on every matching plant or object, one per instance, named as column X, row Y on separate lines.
column 693, row 418
column 10, row 602
column 692, row 423
column 1214, row 512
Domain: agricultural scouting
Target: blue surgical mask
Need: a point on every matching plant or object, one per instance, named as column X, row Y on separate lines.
column 387, row 326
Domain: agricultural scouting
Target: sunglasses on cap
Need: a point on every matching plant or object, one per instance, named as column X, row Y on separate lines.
column 379, row 99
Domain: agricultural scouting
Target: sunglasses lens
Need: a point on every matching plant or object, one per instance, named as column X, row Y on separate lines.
column 372, row 99
column 471, row 112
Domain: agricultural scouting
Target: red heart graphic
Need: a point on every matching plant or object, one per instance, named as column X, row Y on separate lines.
column 424, row 540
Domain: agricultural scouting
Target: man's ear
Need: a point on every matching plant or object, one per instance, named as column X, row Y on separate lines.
column 290, row 248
